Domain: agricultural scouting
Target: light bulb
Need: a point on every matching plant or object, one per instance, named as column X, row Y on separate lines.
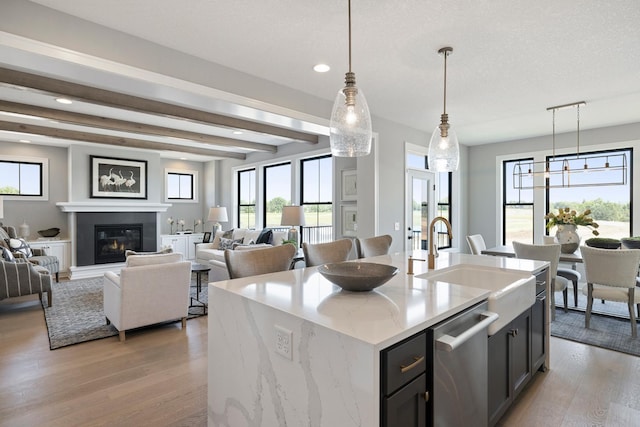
column 350, row 127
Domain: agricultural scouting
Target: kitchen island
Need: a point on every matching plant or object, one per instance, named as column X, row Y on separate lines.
column 292, row 349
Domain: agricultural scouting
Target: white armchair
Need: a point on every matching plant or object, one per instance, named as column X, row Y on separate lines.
column 150, row 289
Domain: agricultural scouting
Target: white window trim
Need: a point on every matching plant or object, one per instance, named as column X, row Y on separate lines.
column 193, row 173
column 45, row 177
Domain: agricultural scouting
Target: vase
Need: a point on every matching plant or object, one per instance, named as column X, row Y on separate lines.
column 568, row 238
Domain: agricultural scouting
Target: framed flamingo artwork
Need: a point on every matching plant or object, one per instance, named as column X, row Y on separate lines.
column 115, row 178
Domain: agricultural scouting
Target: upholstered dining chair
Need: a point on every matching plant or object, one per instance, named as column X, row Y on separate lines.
column 252, row 262
column 373, row 246
column 322, row 253
column 550, row 253
column 476, row 244
column 571, row 274
column 611, row 275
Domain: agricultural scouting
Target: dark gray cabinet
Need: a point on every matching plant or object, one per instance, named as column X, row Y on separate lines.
column 404, row 383
column 516, row 352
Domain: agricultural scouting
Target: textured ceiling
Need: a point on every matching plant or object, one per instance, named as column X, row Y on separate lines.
column 511, row 60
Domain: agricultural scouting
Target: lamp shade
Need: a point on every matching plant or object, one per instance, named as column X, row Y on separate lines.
column 1, row 207
column 350, row 126
column 292, row 215
column 444, row 151
column 218, row 214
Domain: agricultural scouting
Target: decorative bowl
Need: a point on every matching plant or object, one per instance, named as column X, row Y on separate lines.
column 49, row 232
column 603, row 243
column 357, row 276
column 631, row 242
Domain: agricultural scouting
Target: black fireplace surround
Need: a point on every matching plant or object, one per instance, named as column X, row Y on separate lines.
column 122, row 231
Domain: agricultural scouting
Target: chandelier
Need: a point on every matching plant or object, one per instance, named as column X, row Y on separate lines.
column 579, row 170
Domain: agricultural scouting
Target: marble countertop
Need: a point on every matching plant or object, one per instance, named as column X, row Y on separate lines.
column 399, row 308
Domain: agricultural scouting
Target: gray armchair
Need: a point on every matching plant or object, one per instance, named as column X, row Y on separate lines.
column 39, row 257
column 23, row 278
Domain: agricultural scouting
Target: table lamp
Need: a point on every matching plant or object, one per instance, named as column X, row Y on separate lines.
column 293, row 216
column 1, row 209
column 217, row 215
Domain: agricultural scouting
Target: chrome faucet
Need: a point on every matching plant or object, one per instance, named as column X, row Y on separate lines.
column 432, row 243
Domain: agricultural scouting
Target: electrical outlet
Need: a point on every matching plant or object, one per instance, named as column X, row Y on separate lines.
column 396, row 226
column 284, row 342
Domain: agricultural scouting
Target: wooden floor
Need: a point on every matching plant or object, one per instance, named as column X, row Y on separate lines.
column 159, row 377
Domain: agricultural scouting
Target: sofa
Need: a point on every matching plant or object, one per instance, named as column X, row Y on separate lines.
column 212, row 254
column 150, row 289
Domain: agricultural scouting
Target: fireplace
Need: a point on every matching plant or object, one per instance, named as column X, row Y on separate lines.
column 111, row 241
column 103, row 237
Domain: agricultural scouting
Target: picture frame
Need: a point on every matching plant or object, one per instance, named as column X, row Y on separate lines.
column 206, row 238
column 115, row 178
column 349, row 220
column 349, row 185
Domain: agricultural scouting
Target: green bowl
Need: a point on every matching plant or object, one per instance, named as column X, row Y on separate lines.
column 631, row 242
column 603, row 243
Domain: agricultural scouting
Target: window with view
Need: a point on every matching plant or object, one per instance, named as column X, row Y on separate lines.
column 610, row 205
column 180, row 186
column 18, row 178
column 517, row 207
column 277, row 192
column 247, row 198
column 316, row 195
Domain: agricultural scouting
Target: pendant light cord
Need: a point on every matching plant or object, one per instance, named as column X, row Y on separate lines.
column 553, row 130
column 578, row 132
column 349, row 35
column 444, row 109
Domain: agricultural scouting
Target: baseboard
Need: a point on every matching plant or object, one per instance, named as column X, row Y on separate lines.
column 86, row 272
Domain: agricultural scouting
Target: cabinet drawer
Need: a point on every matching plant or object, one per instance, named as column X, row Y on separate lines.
column 404, row 362
column 407, row 407
column 541, row 281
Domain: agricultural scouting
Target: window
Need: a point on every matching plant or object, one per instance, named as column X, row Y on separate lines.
column 517, row 207
column 316, row 195
column 277, row 192
column 21, row 177
column 181, row 185
column 610, row 205
column 247, row 198
column 443, row 196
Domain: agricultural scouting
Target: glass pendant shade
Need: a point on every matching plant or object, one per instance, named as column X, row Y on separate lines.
column 444, row 151
column 350, row 133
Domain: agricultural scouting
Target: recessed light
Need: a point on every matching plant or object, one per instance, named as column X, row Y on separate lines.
column 64, row 101
column 183, row 158
column 321, row 68
column 237, row 132
column 26, row 141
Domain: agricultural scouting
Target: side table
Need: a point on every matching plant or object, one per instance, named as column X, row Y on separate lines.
column 199, row 269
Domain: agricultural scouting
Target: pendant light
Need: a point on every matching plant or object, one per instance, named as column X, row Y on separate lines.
column 576, row 170
column 444, row 151
column 350, row 133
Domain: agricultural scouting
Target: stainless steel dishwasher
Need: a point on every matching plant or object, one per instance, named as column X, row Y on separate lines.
column 460, row 368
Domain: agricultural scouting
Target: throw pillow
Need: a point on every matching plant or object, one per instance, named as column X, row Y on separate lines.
column 7, row 255
column 228, row 243
column 265, row 236
column 20, row 246
column 228, row 234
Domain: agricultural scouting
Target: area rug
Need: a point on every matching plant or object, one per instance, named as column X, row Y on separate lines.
column 608, row 332
column 77, row 313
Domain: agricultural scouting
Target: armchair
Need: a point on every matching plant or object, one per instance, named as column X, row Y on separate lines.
column 39, row 257
column 150, row 289
column 23, row 278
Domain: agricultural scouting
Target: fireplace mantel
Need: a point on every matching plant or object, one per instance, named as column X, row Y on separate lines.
column 112, row 206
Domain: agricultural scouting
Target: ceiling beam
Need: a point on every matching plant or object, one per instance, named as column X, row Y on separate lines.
column 142, row 105
column 115, row 140
column 132, row 127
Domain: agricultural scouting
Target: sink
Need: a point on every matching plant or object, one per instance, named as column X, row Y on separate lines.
column 512, row 292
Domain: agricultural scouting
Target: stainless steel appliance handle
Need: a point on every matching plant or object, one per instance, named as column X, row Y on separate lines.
column 449, row 343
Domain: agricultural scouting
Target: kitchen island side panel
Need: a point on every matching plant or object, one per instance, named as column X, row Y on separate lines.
column 332, row 379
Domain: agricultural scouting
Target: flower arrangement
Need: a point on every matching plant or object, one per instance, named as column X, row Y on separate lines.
column 566, row 216
column 196, row 223
column 170, row 220
column 181, row 222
